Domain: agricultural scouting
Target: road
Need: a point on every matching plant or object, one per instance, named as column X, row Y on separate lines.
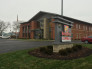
column 7, row 45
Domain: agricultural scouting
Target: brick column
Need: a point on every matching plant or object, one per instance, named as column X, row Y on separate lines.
column 21, row 31
column 32, row 28
column 27, row 31
column 52, row 29
column 46, row 29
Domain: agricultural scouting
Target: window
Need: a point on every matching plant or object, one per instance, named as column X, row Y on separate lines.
column 29, row 28
column 22, row 34
column 23, row 29
column 72, row 35
column 89, row 28
column 86, row 35
column 25, row 34
column 86, row 27
column 79, row 26
column 29, row 35
column 76, row 26
column 89, row 36
column 77, row 36
column 26, row 29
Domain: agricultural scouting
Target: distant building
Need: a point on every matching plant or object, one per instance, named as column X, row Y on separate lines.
column 42, row 26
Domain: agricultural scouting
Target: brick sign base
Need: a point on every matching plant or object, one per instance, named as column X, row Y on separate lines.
column 58, row 47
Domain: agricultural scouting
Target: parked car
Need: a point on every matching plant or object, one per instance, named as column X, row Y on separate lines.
column 87, row 39
column 5, row 37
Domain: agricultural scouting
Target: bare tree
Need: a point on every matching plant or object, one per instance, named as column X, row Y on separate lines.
column 3, row 26
column 16, row 26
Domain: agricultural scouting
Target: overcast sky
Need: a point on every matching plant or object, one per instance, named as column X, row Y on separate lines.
column 78, row 9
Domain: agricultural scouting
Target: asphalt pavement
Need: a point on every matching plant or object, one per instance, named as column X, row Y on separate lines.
column 9, row 45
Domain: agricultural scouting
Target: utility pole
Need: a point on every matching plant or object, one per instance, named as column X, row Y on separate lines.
column 62, row 7
column 16, row 29
column 10, row 32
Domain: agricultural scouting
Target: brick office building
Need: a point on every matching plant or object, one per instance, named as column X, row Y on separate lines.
column 42, row 26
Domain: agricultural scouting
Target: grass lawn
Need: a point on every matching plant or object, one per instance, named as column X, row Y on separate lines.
column 22, row 60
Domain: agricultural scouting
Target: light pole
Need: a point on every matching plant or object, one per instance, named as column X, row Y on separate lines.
column 10, row 32
column 62, row 7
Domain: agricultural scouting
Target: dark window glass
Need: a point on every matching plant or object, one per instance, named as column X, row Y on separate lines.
column 23, row 35
column 89, row 36
column 29, row 28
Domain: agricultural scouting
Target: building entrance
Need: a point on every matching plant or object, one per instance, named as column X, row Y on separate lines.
column 38, row 34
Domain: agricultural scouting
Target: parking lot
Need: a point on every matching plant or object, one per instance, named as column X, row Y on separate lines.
column 9, row 45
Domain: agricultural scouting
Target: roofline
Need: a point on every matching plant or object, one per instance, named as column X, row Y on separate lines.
column 23, row 22
column 77, row 20
column 65, row 17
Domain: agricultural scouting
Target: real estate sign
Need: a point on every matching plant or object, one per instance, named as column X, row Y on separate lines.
column 66, row 35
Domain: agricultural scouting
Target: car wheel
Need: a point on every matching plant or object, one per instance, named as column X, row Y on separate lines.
column 86, row 42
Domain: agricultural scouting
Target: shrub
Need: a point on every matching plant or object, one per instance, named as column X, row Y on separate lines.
column 63, row 52
column 50, row 47
column 79, row 46
column 75, row 48
column 42, row 49
column 13, row 36
column 69, row 50
column 47, row 50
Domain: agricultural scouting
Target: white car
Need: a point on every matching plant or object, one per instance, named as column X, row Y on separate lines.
column 5, row 37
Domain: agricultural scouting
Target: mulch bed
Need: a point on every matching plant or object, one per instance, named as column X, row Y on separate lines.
column 75, row 55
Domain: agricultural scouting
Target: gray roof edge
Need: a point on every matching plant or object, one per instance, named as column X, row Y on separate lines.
column 63, row 19
column 69, row 19
column 23, row 22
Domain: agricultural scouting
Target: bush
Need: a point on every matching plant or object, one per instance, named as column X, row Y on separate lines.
column 63, row 52
column 50, row 47
column 42, row 49
column 69, row 50
column 75, row 48
column 79, row 46
column 47, row 50
column 13, row 36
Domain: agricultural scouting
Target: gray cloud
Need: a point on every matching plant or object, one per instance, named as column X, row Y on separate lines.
column 78, row 9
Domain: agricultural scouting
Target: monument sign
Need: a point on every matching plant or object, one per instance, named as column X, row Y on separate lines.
column 66, row 35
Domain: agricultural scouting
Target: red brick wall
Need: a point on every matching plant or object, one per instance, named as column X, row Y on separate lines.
column 78, row 33
column 52, row 25
column 20, row 33
column 32, row 35
column 34, row 25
